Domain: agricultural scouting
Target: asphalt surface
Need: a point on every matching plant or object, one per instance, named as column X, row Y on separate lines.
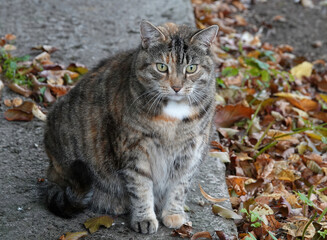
column 85, row 31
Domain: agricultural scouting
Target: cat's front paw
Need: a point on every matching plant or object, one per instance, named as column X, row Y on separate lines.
column 146, row 226
column 174, row 220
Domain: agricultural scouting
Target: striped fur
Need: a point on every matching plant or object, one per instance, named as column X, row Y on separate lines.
column 122, row 141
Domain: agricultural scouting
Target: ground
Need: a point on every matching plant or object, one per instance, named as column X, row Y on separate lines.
column 87, row 31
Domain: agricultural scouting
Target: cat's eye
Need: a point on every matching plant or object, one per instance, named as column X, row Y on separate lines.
column 191, row 68
column 162, row 67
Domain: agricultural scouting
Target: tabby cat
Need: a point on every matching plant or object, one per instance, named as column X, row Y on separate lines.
column 129, row 136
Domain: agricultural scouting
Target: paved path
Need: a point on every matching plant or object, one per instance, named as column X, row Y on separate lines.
column 84, row 31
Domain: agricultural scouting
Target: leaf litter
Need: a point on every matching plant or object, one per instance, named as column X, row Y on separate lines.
column 271, row 116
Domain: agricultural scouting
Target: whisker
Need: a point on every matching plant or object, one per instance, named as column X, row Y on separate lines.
column 142, row 95
column 153, row 103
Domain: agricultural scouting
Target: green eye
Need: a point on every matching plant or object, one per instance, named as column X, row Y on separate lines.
column 162, row 67
column 191, row 68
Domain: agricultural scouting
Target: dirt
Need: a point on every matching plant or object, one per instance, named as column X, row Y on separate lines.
column 87, row 31
column 301, row 28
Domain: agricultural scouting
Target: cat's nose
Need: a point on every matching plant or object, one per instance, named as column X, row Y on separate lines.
column 176, row 88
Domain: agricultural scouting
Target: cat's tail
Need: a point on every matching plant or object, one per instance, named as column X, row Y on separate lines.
column 69, row 200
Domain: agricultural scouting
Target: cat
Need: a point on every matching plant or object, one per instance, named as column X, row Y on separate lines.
column 129, row 136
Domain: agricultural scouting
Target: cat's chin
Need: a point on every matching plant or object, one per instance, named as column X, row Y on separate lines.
column 176, row 97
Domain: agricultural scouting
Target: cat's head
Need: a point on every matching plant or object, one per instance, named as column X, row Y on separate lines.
column 175, row 61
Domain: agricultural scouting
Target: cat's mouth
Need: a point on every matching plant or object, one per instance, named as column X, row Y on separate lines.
column 176, row 97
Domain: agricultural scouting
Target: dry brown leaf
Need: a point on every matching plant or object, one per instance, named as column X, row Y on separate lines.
column 73, row 236
column 43, row 57
column 237, row 184
column 302, row 103
column 10, row 37
column 21, row 113
column 229, row 114
column 240, row 20
column 296, row 228
column 17, row 101
column 185, row 231
column 222, row 236
column 201, row 235
column 210, row 198
column 7, row 102
column 279, row 18
column 20, row 89
column 93, row 224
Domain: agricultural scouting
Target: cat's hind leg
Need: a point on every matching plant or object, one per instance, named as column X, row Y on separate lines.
column 68, row 192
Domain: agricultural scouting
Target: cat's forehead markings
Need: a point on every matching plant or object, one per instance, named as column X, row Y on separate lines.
column 169, row 29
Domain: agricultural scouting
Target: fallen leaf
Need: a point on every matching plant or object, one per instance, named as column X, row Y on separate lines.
column 73, row 236
column 302, row 70
column 38, row 113
column 45, row 48
column 21, row 113
column 301, row 102
column 237, row 184
column 317, row 44
column 225, row 212
column 77, row 67
column 185, row 231
column 93, row 224
column 227, row 115
column 10, row 37
column 210, row 198
column 56, row 77
column 201, row 235
column 296, row 228
column 222, row 236
column 9, row 47
column 20, row 89
column 288, row 175
column 240, row 20
column 222, row 156
column 7, row 102
column 279, row 18
column 43, row 58
column 2, row 42
column 307, row 3
column 17, row 101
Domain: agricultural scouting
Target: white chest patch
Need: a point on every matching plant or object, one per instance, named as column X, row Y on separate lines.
column 177, row 110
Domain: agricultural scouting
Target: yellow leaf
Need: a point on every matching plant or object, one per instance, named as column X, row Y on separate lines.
column 303, row 69
column 93, row 224
column 73, row 236
column 313, row 135
column 210, row 198
column 288, row 175
column 324, row 97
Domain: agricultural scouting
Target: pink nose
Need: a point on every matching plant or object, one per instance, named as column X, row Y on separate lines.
column 176, row 88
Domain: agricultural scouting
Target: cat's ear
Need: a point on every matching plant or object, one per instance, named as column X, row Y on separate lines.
column 206, row 36
column 150, row 34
